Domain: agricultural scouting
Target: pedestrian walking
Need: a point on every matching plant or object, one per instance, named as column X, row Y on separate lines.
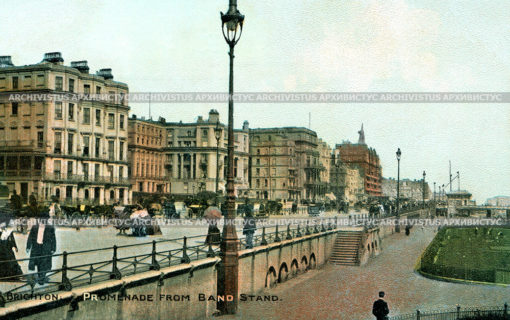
column 250, row 225
column 55, row 209
column 380, row 308
column 41, row 244
column 9, row 267
column 16, row 203
column 212, row 214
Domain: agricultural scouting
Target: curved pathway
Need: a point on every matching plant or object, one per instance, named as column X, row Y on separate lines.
column 342, row 292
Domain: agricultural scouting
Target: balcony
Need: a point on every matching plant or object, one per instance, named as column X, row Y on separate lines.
column 21, row 145
column 318, row 167
column 87, row 179
column 21, row 173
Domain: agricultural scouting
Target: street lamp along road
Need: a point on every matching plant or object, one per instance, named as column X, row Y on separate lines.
column 232, row 27
column 217, row 135
column 399, row 154
column 423, row 190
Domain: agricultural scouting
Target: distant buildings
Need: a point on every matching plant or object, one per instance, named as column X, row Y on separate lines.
column 288, row 163
column 409, row 189
column 73, row 149
column 146, row 156
column 499, row 201
column 346, row 183
column 180, row 158
column 456, row 199
column 87, row 149
column 366, row 159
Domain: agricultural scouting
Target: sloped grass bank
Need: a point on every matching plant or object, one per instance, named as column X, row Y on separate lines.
column 471, row 254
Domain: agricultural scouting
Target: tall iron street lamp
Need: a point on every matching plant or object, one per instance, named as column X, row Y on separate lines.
column 399, row 154
column 232, row 27
column 217, row 135
column 423, row 188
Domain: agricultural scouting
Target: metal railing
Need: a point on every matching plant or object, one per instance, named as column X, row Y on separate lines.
column 162, row 253
column 274, row 234
column 72, row 272
column 19, row 143
column 459, row 313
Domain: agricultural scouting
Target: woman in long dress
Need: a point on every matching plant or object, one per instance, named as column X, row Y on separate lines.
column 9, row 267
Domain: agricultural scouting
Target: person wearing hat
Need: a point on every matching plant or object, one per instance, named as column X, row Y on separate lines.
column 55, row 209
column 211, row 215
column 380, row 308
column 9, row 268
column 41, row 244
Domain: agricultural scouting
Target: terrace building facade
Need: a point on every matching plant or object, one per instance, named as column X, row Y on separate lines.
column 346, row 182
column 367, row 160
column 146, row 156
column 74, row 149
column 191, row 156
column 286, row 164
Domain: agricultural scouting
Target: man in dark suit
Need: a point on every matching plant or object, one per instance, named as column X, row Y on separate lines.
column 41, row 244
column 380, row 309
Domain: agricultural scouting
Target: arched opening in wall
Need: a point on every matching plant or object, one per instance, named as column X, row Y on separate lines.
column 271, row 278
column 294, row 268
column 304, row 264
column 368, row 248
column 313, row 262
column 283, row 274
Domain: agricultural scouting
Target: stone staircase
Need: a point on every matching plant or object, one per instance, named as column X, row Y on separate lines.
column 345, row 250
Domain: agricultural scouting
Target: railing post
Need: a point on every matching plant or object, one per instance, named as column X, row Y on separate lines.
column 289, row 237
column 154, row 263
column 277, row 236
column 307, row 231
column 458, row 312
column 505, row 309
column 263, row 242
column 336, row 222
column 315, row 230
column 322, row 226
column 65, row 284
column 417, row 314
column 298, row 233
column 115, row 274
column 185, row 258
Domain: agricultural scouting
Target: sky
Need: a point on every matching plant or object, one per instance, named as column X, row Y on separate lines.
column 305, row 46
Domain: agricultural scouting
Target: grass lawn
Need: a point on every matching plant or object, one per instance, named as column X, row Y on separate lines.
column 479, row 254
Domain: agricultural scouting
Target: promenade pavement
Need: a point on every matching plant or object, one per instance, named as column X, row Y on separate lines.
column 344, row 292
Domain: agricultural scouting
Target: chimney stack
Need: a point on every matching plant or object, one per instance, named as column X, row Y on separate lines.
column 82, row 66
column 214, row 116
column 5, row 61
column 105, row 73
column 53, row 57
